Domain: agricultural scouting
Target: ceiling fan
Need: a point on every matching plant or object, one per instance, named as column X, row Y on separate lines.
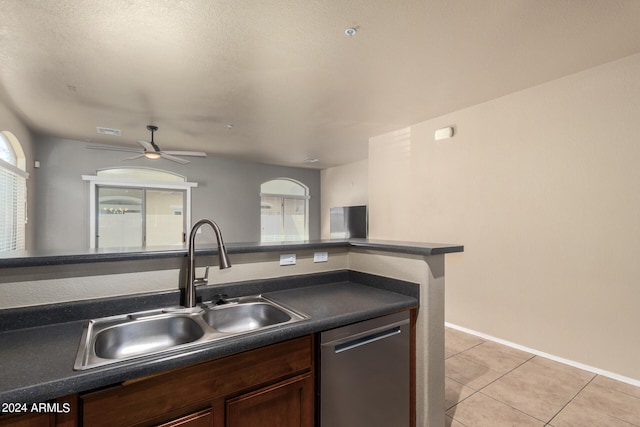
column 150, row 150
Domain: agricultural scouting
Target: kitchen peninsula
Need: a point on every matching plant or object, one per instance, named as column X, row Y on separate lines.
column 47, row 299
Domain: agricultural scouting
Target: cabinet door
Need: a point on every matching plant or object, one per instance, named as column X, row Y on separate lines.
column 285, row 404
column 172, row 394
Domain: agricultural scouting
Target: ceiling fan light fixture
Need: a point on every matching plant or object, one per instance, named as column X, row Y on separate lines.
column 152, row 156
column 150, row 150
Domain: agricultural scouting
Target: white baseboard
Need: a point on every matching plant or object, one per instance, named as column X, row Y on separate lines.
column 547, row 355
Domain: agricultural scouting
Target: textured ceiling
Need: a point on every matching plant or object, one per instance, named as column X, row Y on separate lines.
column 283, row 72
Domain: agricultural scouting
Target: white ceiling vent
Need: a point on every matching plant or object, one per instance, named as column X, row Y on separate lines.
column 109, row 131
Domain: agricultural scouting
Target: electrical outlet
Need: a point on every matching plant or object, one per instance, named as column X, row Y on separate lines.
column 320, row 256
column 288, row 259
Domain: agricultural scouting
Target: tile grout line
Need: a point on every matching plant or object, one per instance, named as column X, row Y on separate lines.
column 544, row 355
column 572, row 399
column 612, row 415
column 460, row 401
column 474, row 391
column 580, row 391
column 504, row 403
column 508, row 372
column 533, row 355
column 466, row 349
column 486, row 385
column 515, row 409
column 458, row 421
column 482, row 388
column 616, row 389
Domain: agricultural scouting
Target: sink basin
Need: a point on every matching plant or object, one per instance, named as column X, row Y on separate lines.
column 145, row 336
column 121, row 338
column 244, row 317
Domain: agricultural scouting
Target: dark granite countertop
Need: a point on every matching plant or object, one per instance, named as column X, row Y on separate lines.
column 31, row 259
column 37, row 362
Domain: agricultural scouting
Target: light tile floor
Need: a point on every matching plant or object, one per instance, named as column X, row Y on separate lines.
column 489, row 384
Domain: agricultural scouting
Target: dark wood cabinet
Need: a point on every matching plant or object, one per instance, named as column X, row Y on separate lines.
column 28, row 420
column 285, row 404
column 272, row 383
column 58, row 413
column 268, row 386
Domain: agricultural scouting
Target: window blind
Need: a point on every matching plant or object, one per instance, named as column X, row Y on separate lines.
column 13, row 200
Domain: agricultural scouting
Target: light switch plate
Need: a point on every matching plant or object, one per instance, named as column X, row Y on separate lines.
column 288, row 259
column 320, row 256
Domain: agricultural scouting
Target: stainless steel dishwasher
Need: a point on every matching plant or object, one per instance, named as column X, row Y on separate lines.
column 365, row 373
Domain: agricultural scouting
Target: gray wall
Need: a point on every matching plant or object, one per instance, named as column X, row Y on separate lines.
column 228, row 192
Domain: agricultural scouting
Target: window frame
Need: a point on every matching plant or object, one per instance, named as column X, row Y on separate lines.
column 18, row 217
column 106, row 181
column 282, row 197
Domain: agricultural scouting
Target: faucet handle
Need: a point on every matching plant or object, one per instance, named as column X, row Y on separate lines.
column 198, row 281
column 220, row 299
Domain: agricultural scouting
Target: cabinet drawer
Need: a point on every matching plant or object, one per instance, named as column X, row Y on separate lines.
column 199, row 419
column 27, row 420
column 149, row 398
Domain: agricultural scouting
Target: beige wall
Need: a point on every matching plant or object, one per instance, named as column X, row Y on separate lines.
column 542, row 189
column 31, row 286
column 343, row 186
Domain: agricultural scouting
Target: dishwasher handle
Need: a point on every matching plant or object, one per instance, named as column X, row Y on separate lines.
column 367, row 339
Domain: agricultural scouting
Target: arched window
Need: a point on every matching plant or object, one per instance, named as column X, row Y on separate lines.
column 284, row 204
column 13, row 194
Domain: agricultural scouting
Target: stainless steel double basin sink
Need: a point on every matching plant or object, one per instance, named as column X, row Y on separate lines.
column 120, row 338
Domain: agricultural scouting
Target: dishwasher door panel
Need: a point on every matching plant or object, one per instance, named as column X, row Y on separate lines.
column 365, row 374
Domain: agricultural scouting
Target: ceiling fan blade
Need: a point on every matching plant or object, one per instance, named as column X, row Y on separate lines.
column 164, row 155
column 186, row 153
column 134, row 157
column 113, row 148
column 146, row 145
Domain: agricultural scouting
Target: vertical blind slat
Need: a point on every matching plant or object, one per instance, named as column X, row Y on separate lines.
column 13, row 191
